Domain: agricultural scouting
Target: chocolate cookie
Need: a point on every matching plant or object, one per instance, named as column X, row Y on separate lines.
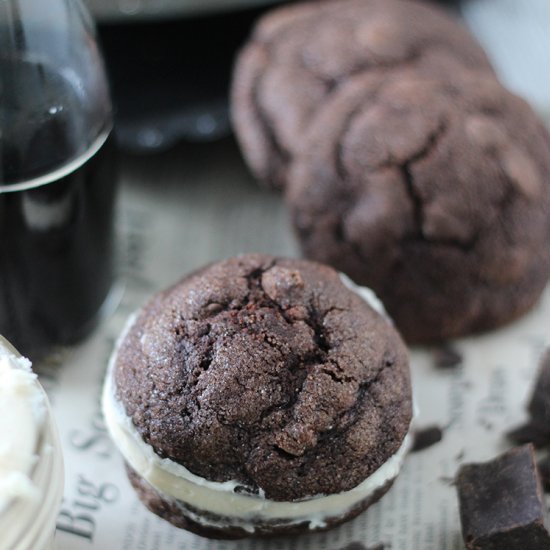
column 434, row 193
column 260, row 396
column 299, row 55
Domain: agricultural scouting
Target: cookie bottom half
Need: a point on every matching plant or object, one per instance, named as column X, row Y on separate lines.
column 212, row 526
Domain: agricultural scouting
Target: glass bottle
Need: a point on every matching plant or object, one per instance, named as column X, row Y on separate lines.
column 57, row 174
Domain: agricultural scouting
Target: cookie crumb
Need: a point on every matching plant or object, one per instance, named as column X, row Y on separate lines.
column 356, row 545
column 426, row 437
column 447, row 357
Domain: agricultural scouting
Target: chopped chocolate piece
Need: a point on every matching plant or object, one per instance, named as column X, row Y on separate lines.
column 539, row 406
column 360, row 546
column 529, row 433
column 426, row 438
column 446, row 357
column 355, row 546
column 544, row 472
column 537, row 429
column 502, row 504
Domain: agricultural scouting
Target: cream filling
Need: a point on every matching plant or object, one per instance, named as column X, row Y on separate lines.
column 219, row 498
column 31, row 465
column 176, row 482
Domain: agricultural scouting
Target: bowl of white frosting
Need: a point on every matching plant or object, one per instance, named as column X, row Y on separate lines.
column 31, row 462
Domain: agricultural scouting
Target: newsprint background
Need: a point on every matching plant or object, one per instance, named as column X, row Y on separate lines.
column 183, row 209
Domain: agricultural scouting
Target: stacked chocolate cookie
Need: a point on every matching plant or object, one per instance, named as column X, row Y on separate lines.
column 404, row 161
column 260, row 396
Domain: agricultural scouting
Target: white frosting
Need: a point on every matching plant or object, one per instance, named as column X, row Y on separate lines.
column 31, row 467
column 21, row 420
column 177, row 483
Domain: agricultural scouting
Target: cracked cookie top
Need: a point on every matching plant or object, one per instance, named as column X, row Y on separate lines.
column 299, row 55
column 268, row 371
column 434, row 193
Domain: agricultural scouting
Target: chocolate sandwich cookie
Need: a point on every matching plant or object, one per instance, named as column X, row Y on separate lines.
column 299, row 55
column 260, row 396
column 434, row 193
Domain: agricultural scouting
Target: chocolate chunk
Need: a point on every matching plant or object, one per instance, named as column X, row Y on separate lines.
column 537, row 429
column 544, row 472
column 446, row 357
column 539, row 406
column 502, row 504
column 356, row 545
column 426, row 438
column 529, row 433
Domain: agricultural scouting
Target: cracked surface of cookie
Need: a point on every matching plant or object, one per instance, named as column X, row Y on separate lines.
column 299, row 55
column 435, row 194
column 270, row 372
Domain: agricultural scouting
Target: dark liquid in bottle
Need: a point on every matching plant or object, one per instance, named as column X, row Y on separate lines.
column 57, row 186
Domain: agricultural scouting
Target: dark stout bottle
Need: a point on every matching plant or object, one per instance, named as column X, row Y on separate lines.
column 57, row 176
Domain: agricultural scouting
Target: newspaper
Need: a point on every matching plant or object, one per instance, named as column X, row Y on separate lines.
column 180, row 211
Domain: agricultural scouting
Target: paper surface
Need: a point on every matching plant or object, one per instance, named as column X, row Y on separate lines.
column 195, row 210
